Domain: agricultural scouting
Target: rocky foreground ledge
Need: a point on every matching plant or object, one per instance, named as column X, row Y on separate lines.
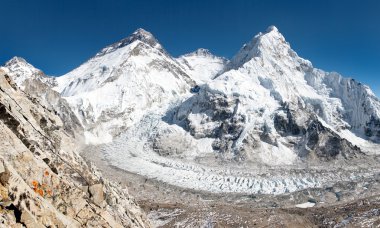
column 43, row 180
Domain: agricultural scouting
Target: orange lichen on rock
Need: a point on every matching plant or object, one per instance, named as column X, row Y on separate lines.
column 40, row 192
column 46, row 173
column 35, row 184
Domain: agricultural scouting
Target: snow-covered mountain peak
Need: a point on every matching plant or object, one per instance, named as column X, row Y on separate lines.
column 267, row 44
column 21, row 70
column 145, row 36
column 18, row 63
column 202, row 65
column 139, row 35
column 272, row 33
column 200, row 52
column 112, row 89
column 203, row 53
column 143, row 33
column 15, row 60
column 268, row 84
column 272, row 28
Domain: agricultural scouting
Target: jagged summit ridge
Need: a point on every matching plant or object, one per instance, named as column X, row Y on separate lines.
column 15, row 60
column 139, row 35
column 21, row 71
column 18, row 63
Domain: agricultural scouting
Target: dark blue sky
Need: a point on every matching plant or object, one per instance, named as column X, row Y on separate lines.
column 57, row 36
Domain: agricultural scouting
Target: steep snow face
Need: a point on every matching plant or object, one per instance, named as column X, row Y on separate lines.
column 201, row 65
column 359, row 107
column 113, row 89
column 21, row 70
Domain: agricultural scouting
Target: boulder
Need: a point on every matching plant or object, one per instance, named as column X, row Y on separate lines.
column 97, row 194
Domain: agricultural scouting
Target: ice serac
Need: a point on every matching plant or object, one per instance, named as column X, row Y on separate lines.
column 202, row 65
column 113, row 89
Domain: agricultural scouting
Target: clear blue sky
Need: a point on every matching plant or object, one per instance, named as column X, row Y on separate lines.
column 57, row 36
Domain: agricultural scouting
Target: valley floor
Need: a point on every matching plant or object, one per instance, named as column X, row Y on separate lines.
column 171, row 206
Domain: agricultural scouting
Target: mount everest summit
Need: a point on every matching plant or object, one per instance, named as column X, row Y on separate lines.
column 200, row 121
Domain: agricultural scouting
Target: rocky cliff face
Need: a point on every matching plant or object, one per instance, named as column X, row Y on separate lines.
column 43, row 180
